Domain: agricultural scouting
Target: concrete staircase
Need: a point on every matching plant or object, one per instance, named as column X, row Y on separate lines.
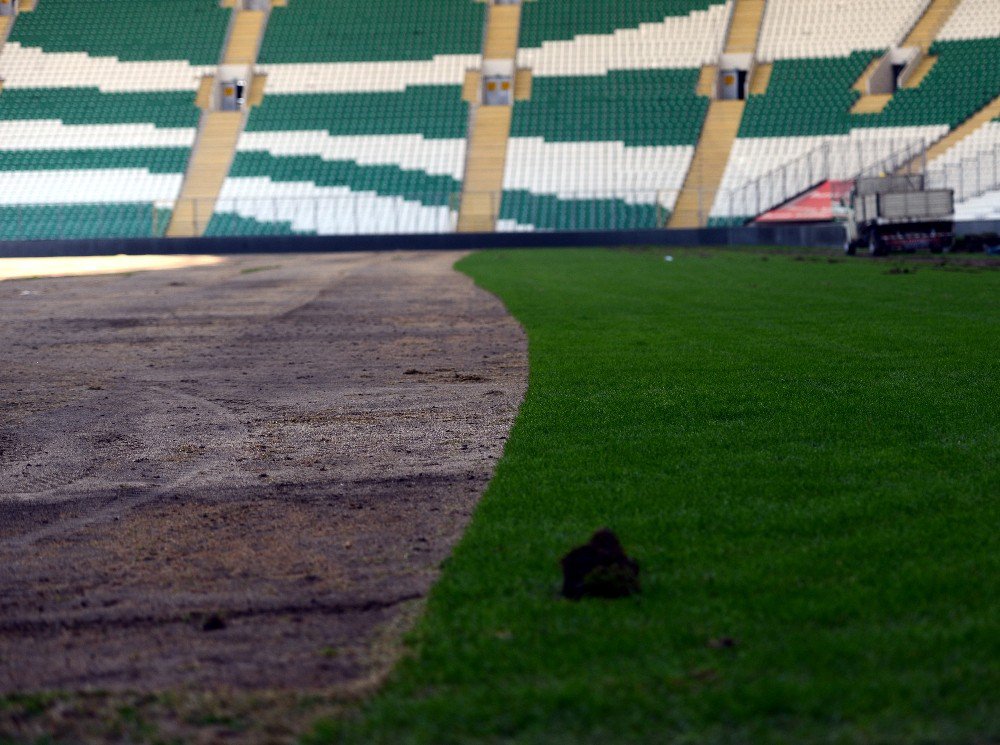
column 722, row 123
column 871, row 103
column 761, row 78
column 503, row 28
column 489, row 126
column 207, row 170
column 482, row 188
column 922, row 35
column 745, row 27
column 925, row 31
column 218, row 131
column 709, row 163
column 245, row 37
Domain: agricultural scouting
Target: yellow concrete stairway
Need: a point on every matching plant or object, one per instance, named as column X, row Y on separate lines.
column 244, row 38
column 502, row 30
column 722, row 123
column 219, row 131
column 484, row 167
column 744, row 27
column 709, row 163
column 925, row 31
column 207, row 170
column 489, row 127
column 986, row 114
column 761, row 78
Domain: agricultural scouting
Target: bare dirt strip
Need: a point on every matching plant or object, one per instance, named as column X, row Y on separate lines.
column 243, row 476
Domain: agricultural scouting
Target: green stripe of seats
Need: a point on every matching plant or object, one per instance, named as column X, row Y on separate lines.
column 435, row 111
column 386, row 180
column 111, row 220
column 154, row 160
column 563, row 19
column 547, row 212
column 965, row 78
column 131, row 30
column 637, row 107
column 91, row 106
column 337, row 31
column 728, row 222
column 229, row 223
column 814, row 96
column 806, row 97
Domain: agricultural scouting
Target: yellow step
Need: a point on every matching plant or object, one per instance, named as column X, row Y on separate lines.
column 206, row 172
column 745, row 27
column 925, row 66
column 706, row 81
column 761, row 78
column 244, row 38
column 925, row 31
column 871, row 104
column 708, row 165
column 503, row 26
column 484, row 168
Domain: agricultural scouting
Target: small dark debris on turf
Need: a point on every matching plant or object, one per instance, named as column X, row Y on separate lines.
column 723, row 642
column 901, row 270
column 213, row 623
column 600, row 569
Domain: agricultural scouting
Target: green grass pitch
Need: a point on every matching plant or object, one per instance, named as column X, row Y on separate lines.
column 802, row 453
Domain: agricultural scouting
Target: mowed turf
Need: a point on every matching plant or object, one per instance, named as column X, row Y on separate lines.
column 802, row 453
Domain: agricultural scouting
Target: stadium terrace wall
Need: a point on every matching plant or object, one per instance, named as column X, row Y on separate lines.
column 809, row 236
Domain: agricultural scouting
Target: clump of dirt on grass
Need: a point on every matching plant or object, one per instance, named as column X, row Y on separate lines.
column 600, row 569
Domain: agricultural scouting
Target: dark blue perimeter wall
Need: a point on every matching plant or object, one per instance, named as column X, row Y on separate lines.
column 807, row 236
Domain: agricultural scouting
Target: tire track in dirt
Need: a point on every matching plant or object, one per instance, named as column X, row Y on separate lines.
column 242, row 441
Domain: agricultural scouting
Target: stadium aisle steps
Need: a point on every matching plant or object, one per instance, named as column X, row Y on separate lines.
column 215, row 147
column 245, row 37
column 745, row 26
column 709, row 163
column 502, row 30
column 761, row 78
column 489, row 133
column 722, row 123
column 484, row 170
column 207, row 170
column 926, row 30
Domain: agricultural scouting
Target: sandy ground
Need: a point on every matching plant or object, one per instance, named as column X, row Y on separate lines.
column 241, row 476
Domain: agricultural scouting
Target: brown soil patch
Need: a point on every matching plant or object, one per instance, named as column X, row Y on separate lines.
column 225, row 478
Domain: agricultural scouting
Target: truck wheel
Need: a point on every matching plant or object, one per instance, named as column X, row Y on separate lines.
column 875, row 246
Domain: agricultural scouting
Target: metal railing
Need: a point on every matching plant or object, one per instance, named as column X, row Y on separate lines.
column 970, row 177
column 832, row 160
column 359, row 213
column 83, row 220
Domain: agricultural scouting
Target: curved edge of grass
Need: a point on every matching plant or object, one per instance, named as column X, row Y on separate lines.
column 802, row 455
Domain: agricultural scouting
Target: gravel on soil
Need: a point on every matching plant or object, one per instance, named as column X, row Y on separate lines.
column 239, row 476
